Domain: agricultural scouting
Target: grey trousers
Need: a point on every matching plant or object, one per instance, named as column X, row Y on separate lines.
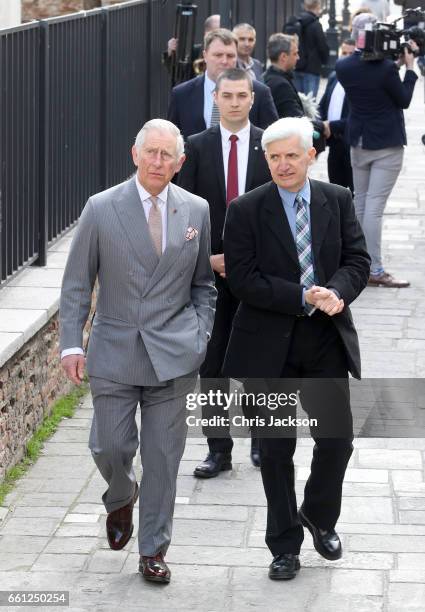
column 114, row 440
column 374, row 176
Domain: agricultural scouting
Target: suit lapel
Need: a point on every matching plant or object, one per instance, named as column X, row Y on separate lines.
column 129, row 209
column 277, row 222
column 253, row 156
column 320, row 215
column 217, row 154
column 198, row 103
column 177, row 224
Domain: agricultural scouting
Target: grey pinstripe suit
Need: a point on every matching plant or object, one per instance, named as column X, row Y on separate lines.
column 148, row 339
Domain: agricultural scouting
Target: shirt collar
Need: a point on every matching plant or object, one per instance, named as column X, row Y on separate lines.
column 209, row 84
column 243, row 134
column 288, row 197
column 246, row 65
column 145, row 195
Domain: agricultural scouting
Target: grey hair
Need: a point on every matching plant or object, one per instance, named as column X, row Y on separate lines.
column 360, row 22
column 277, row 44
column 288, row 127
column 162, row 125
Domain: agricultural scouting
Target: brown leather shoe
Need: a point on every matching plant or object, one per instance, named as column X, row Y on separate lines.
column 155, row 569
column 386, row 280
column 119, row 524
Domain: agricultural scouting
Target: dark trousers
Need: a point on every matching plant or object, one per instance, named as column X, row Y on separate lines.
column 210, row 371
column 340, row 171
column 316, row 352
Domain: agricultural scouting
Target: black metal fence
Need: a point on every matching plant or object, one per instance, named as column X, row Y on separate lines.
column 74, row 91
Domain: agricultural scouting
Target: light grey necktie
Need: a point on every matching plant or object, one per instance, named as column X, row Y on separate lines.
column 215, row 115
column 155, row 225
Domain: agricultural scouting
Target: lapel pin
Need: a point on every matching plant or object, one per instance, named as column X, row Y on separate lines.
column 174, row 210
column 256, row 148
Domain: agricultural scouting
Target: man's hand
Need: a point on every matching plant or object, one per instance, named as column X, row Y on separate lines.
column 74, row 366
column 326, row 129
column 325, row 300
column 171, row 46
column 408, row 57
column 217, row 264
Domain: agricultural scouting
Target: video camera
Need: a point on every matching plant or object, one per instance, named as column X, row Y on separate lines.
column 386, row 40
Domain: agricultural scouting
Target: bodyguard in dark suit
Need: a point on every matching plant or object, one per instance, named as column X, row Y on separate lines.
column 333, row 108
column 191, row 106
column 296, row 257
column 208, row 171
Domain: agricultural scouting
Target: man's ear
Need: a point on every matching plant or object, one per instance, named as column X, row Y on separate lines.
column 312, row 155
column 135, row 155
column 180, row 162
column 252, row 99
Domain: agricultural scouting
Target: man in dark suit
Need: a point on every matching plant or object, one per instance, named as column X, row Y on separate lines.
column 296, row 258
column 209, row 171
column 333, row 109
column 191, row 105
column 377, row 137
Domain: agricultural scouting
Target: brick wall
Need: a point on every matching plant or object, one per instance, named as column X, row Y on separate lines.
column 41, row 9
column 29, row 384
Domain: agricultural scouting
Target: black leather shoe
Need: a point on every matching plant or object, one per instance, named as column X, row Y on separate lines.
column 155, row 569
column 327, row 543
column 213, row 465
column 119, row 523
column 284, row 567
column 255, row 455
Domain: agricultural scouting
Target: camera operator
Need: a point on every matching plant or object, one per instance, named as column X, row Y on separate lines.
column 377, row 137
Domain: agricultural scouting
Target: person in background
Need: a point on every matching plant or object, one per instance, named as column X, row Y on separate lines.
column 333, row 109
column 246, row 37
column 313, row 47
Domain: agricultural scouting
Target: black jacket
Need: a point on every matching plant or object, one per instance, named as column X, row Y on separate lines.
column 314, row 50
column 263, row 272
column 203, row 174
column 285, row 95
column 186, row 108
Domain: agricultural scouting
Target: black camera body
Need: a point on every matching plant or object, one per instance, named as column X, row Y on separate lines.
column 387, row 40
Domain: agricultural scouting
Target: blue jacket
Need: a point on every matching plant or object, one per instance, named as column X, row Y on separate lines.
column 186, row 108
column 377, row 96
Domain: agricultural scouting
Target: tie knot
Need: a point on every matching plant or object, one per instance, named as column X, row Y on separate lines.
column 154, row 201
column 233, row 138
column 299, row 200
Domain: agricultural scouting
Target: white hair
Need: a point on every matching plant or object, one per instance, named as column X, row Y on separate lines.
column 287, row 127
column 361, row 22
column 161, row 125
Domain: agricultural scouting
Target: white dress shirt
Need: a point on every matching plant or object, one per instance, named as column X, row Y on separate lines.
column 336, row 102
column 145, row 199
column 209, row 87
column 243, row 152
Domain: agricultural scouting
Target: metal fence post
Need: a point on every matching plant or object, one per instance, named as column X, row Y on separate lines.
column 43, row 145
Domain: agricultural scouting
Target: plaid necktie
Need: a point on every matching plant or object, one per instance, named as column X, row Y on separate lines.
column 215, row 115
column 155, row 225
column 303, row 242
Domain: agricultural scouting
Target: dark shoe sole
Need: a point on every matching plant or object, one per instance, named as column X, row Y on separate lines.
column 322, row 551
column 224, row 468
column 157, row 579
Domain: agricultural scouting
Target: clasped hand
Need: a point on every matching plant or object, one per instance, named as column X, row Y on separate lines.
column 324, row 299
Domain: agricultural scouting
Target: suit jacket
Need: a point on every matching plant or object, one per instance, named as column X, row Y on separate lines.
column 285, row 95
column 186, row 109
column 338, row 126
column 376, row 96
column 257, row 68
column 263, row 272
column 152, row 317
column 203, row 173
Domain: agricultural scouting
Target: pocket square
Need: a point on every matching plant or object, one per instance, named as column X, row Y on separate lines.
column 191, row 233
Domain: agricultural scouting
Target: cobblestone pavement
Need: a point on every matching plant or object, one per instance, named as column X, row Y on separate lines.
column 52, row 525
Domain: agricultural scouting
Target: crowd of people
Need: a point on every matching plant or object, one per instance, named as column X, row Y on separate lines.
column 222, row 256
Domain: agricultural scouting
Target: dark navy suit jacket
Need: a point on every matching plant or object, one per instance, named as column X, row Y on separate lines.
column 339, row 125
column 186, row 108
column 377, row 96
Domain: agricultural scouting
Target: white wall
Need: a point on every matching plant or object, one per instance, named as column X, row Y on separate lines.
column 10, row 13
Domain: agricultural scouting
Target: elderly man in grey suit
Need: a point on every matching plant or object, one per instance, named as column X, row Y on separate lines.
column 148, row 243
